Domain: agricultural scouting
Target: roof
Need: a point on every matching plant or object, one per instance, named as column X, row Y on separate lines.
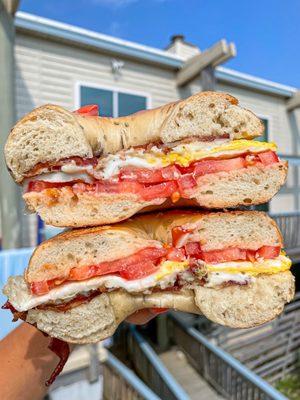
column 62, row 31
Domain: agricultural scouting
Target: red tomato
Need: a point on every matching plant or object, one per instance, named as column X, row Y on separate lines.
column 108, row 187
column 193, row 249
column 39, row 186
column 170, row 173
column 162, row 190
column 145, row 175
column 268, row 157
column 269, row 251
column 125, row 266
column 176, row 254
column 138, row 271
column 86, row 272
column 39, row 288
column 179, row 235
column 214, row 166
column 230, row 254
column 186, row 182
column 91, row 109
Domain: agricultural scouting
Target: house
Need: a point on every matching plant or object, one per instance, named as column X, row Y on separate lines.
column 66, row 65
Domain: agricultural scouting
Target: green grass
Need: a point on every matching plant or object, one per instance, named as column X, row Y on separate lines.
column 290, row 386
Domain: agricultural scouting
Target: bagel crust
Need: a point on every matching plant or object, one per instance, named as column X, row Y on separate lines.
column 233, row 306
column 51, row 133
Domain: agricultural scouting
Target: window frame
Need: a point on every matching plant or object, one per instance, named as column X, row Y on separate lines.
column 268, row 118
column 114, row 89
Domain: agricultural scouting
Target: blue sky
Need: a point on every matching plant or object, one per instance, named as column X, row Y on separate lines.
column 266, row 32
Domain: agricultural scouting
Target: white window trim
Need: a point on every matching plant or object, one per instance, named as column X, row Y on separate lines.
column 113, row 89
column 269, row 118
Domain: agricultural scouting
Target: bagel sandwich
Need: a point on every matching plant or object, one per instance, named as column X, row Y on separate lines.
column 78, row 169
column 228, row 266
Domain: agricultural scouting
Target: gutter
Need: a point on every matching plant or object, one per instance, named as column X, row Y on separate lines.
column 69, row 33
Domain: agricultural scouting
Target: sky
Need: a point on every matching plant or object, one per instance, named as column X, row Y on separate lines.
column 266, row 32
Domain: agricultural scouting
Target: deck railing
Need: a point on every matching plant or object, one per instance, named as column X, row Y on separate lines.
column 120, row 382
column 226, row 374
column 151, row 369
column 269, row 350
column 289, row 225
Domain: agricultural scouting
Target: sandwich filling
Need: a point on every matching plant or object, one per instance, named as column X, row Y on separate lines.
column 152, row 173
column 184, row 264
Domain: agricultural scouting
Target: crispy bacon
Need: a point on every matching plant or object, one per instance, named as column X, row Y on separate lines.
column 16, row 314
column 62, row 350
column 77, row 301
column 55, row 165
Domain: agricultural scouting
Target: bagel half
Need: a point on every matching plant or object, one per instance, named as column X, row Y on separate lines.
column 50, row 133
column 226, row 266
column 86, row 170
column 234, row 306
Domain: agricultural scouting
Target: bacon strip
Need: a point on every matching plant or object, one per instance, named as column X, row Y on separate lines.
column 62, row 350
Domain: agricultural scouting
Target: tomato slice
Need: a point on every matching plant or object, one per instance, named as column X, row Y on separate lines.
column 138, row 271
column 179, row 236
column 39, row 287
column 193, row 249
column 176, row 254
column 161, row 190
column 268, row 157
column 145, row 175
column 269, row 251
column 219, row 256
column 214, row 166
column 186, row 182
column 125, row 266
column 108, row 187
column 91, row 110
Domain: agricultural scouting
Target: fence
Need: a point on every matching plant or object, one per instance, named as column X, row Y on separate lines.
column 226, row 374
column 270, row 350
column 120, row 383
column 289, row 225
column 151, row 369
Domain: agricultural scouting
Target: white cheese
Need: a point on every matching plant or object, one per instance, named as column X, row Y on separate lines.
column 219, row 278
column 113, row 164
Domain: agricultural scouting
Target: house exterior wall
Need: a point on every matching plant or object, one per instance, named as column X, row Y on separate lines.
column 49, row 72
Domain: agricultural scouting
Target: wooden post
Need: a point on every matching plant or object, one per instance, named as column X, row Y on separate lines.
column 9, row 196
column 208, row 78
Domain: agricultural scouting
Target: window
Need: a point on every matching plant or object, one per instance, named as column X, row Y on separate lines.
column 112, row 103
column 264, row 138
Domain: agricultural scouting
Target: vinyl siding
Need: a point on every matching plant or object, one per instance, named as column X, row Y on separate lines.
column 47, row 72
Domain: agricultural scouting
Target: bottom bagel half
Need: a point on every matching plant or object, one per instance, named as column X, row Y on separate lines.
column 232, row 306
